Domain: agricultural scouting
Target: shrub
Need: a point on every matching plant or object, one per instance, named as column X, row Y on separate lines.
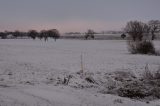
column 124, row 76
column 132, row 47
column 123, row 36
column 156, row 92
column 139, row 89
column 146, row 47
column 147, row 74
column 133, row 89
column 141, row 47
column 148, row 85
column 90, row 79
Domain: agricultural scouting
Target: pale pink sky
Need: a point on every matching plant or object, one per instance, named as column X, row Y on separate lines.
column 67, row 25
column 75, row 15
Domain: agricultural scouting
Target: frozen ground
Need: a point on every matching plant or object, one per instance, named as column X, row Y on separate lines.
column 32, row 72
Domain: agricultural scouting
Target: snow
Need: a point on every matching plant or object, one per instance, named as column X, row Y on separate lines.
column 30, row 70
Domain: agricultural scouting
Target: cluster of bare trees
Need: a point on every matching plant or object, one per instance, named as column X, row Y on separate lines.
column 154, row 27
column 141, row 35
column 138, row 30
column 44, row 34
column 15, row 34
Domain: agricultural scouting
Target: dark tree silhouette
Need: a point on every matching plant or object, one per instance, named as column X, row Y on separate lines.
column 123, row 36
column 33, row 34
column 53, row 33
column 90, row 34
column 136, row 30
column 3, row 35
column 42, row 34
column 16, row 34
column 154, row 27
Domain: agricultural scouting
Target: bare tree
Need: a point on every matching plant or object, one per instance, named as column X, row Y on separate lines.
column 33, row 34
column 43, row 34
column 53, row 33
column 136, row 30
column 90, row 34
column 154, row 27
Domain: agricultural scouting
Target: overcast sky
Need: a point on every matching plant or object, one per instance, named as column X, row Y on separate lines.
column 75, row 15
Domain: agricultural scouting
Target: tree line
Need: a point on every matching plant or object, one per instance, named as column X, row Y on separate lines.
column 141, row 36
column 138, row 30
column 33, row 34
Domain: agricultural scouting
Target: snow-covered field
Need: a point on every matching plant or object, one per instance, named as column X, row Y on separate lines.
column 32, row 72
